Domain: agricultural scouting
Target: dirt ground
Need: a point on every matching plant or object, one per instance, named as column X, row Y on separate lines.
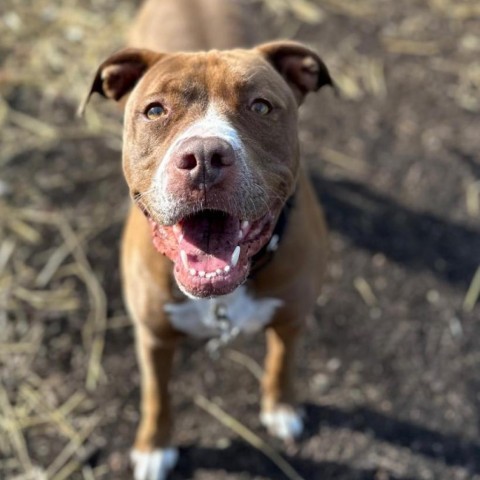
column 389, row 368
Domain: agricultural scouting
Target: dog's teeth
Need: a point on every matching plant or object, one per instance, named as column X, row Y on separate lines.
column 235, row 256
column 226, row 269
column 180, row 238
column 177, row 229
column 245, row 224
column 273, row 243
column 211, row 274
column 192, row 271
column 201, row 273
column 219, row 271
column 184, row 258
column 240, row 234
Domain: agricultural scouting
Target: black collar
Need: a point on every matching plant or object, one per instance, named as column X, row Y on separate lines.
column 261, row 259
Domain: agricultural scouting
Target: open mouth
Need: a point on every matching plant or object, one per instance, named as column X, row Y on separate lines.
column 211, row 249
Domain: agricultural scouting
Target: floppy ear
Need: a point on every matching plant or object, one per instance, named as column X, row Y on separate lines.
column 119, row 73
column 300, row 66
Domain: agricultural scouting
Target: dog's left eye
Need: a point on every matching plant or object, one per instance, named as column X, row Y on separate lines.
column 155, row 111
column 260, row 106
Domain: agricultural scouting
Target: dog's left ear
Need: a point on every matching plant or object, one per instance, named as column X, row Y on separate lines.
column 301, row 67
column 119, row 73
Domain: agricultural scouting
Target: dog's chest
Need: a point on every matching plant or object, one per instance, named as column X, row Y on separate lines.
column 225, row 316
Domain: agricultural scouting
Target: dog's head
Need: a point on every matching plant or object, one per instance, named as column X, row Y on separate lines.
column 211, row 150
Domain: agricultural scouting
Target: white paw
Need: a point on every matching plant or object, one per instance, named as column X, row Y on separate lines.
column 283, row 422
column 153, row 465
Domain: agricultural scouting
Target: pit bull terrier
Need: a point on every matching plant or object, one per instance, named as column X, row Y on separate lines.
column 225, row 235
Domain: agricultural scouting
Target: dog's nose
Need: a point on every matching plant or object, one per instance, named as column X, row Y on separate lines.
column 204, row 159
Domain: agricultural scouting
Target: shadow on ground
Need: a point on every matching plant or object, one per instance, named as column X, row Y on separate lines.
column 418, row 240
column 240, row 457
column 452, row 450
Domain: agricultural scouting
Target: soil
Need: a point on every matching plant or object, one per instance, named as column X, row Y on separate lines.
column 388, row 368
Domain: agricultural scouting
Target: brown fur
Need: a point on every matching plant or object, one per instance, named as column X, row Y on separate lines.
column 184, row 83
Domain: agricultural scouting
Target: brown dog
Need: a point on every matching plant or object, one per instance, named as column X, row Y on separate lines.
column 225, row 234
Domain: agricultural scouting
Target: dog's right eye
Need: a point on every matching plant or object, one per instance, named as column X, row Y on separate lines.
column 155, row 111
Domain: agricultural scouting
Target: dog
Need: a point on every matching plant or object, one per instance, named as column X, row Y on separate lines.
column 225, row 235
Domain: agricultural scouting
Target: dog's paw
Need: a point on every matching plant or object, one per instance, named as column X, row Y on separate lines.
column 283, row 422
column 154, row 465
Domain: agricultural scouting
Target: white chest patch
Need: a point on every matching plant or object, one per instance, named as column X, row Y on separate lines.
column 228, row 315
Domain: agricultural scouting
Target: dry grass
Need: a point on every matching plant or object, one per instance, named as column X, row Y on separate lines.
column 45, row 272
column 243, row 432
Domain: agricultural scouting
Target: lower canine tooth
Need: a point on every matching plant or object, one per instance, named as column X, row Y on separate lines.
column 235, row 256
column 184, row 258
column 226, row 269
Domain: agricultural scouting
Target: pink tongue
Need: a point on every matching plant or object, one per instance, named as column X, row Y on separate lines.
column 209, row 239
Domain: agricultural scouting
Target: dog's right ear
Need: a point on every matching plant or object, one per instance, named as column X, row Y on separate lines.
column 119, row 73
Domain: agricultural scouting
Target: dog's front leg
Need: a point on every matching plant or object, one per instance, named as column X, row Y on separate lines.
column 152, row 457
column 279, row 413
